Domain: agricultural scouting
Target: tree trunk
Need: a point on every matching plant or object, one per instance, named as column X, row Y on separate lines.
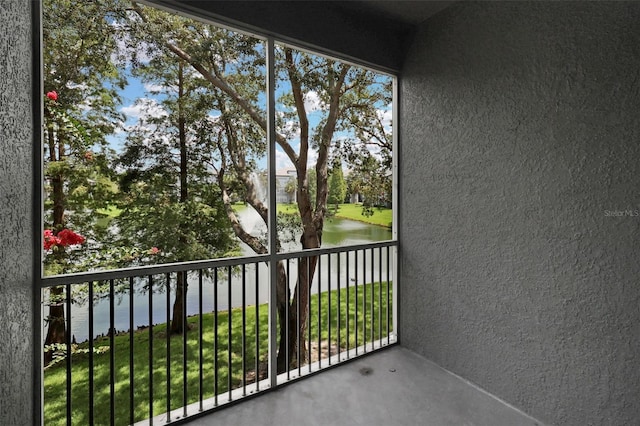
column 57, row 326
column 178, row 325
column 177, row 322
column 295, row 335
column 283, row 295
column 56, row 332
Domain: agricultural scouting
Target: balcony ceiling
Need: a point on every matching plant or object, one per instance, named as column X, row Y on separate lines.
column 373, row 31
column 407, row 12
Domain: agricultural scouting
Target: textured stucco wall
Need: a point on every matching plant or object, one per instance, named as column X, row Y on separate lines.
column 16, row 340
column 520, row 131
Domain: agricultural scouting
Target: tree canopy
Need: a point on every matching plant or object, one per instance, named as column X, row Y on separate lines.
column 198, row 141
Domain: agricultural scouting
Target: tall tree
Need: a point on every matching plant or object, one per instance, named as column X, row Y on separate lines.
column 368, row 152
column 81, row 82
column 169, row 202
column 371, row 179
column 233, row 67
column 337, row 184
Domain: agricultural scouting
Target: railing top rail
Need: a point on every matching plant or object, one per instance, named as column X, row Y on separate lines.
column 137, row 271
column 84, row 277
column 331, row 250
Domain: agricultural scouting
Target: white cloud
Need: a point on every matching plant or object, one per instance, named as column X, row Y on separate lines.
column 144, row 109
column 80, row 86
column 291, row 129
column 312, row 102
column 282, row 160
column 312, row 158
column 386, row 116
column 124, row 49
column 155, row 88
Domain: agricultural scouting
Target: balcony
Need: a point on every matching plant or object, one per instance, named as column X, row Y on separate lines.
column 129, row 367
column 518, row 231
column 190, row 376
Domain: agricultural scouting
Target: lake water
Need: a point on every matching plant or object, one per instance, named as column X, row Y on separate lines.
column 337, row 232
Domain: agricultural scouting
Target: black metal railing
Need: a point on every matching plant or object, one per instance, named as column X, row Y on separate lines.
column 135, row 354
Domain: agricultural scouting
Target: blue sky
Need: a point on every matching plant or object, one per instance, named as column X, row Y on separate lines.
column 136, row 95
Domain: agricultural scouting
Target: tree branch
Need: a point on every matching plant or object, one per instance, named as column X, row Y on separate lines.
column 325, row 143
column 250, row 240
column 221, row 84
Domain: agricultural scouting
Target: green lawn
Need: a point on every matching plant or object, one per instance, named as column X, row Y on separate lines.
column 380, row 216
column 368, row 323
column 287, row 208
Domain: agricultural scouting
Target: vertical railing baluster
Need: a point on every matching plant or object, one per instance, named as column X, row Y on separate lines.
column 388, row 297
column 185, row 287
column 215, row 336
column 380, row 295
column 329, row 308
column 297, row 331
column 68, row 343
column 91, row 366
column 309, row 323
column 168, row 343
column 200, row 349
column 372, row 288
column 112, row 355
column 150, row 349
column 286, row 325
column 394, row 294
column 348, row 279
column 339, row 309
column 356, row 301
column 131, row 358
column 364, row 299
column 319, row 293
column 257, row 361
column 229, row 342
column 244, row 331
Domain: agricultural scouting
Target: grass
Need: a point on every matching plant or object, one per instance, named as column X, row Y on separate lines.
column 380, row 216
column 370, row 323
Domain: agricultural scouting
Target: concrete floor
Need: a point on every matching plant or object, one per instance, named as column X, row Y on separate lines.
column 390, row 387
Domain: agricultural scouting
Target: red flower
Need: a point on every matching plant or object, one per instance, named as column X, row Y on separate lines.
column 70, row 238
column 53, row 95
column 50, row 240
column 65, row 238
column 154, row 250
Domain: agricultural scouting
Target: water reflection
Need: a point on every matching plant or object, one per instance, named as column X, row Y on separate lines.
column 365, row 266
column 342, row 232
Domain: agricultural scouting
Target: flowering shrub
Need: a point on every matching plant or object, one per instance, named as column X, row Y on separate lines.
column 70, row 238
column 50, row 240
column 65, row 238
column 53, row 95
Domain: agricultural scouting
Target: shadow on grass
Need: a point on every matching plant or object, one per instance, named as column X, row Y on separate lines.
column 348, row 322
